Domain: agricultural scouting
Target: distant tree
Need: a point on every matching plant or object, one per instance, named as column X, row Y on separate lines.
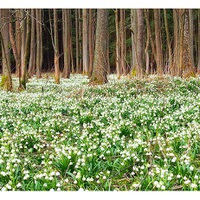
column 5, row 43
column 140, row 42
column 169, row 63
column 85, row 42
column 158, row 41
column 39, row 52
column 99, row 74
column 91, row 40
column 32, row 60
column 198, row 67
column 66, row 42
column 56, row 48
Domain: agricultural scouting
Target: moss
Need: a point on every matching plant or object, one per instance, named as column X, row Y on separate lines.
column 57, row 80
column 4, row 80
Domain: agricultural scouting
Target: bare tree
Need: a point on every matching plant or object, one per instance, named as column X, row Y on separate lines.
column 85, row 42
column 66, row 42
column 32, row 60
column 56, row 48
column 5, row 41
column 158, row 39
column 99, row 74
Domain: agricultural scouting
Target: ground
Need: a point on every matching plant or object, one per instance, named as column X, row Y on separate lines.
column 139, row 134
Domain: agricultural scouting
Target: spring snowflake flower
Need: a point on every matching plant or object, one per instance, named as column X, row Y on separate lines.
column 193, row 185
column 191, row 168
column 196, row 177
column 174, row 159
column 163, row 187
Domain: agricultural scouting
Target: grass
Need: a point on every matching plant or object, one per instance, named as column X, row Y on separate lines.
column 140, row 134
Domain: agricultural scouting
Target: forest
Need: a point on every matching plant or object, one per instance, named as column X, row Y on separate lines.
column 137, row 42
column 99, row 99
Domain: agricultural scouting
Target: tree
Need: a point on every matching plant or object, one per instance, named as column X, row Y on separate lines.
column 25, row 35
column 91, row 40
column 198, row 68
column 32, row 60
column 39, row 52
column 85, row 42
column 99, row 74
column 66, row 42
column 56, row 48
column 168, row 40
column 158, row 40
column 5, row 41
column 140, row 42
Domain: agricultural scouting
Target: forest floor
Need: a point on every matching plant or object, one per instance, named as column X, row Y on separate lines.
column 141, row 134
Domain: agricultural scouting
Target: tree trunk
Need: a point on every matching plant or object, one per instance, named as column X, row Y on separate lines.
column 80, row 42
column 16, row 52
column 191, row 37
column 6, row 78
column 32, row 60
column 18, row 39
column 39, row 52
column 77, row 39
column 159, row 54
column 146, row 12
column 118, row 58
column 23, row 50
column 85, row 42
column 99, row 75
column 198, row 67
column 56, row 48
column 188, row 59
column 122, row 41
column 133, row 41
column 169, row 65
column 66, row 42
column 140, row 42
column 91, row 41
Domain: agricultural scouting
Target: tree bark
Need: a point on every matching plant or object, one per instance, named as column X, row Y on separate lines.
column 133, row 40
column 122, row 41
column 5, row 42
column 66, row 42
column 39, row 52
column 32, row 60
column 85, row 42
column 198, row 67
column 99, row 75
column 168, row 42
column 140, row 42
column 118, row 58
column 91, row 41
column 56, row 48
column 159, row 54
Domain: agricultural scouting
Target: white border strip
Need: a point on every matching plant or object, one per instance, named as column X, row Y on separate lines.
column 99, row 4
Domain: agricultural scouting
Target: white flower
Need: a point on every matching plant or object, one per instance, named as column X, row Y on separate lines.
column 178, row 176
column 191, row 168
column 81, row 189
column 193, row 185
column 163, row 187
column 169, row 178
column 19, row 185
column 58, row 185
column 196, row 177
column 3, row 189
column 174, row 159
column 66, row 180
column 104, row 177
column 51, row 190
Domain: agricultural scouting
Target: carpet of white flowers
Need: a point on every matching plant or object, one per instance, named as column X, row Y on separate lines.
column 124, row 135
